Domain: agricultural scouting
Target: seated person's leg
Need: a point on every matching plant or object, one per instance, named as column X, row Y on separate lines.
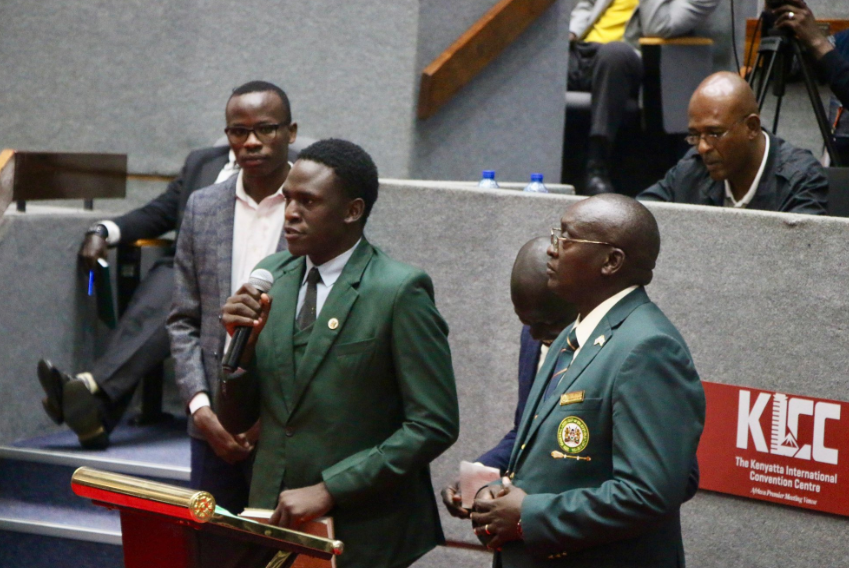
column 617, row 74
column 92, row 402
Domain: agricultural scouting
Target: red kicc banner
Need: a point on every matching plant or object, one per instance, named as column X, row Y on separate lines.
column 777, row 447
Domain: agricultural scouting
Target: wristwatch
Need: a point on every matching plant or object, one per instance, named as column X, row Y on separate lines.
column 98, row 229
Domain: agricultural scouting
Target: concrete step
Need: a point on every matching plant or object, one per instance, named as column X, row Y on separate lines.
column 44, row 534
column 43, row 523
column 33, row 550
column 160, row 451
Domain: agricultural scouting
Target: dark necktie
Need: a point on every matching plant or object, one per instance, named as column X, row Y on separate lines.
column 564, row 359
column 306, row 317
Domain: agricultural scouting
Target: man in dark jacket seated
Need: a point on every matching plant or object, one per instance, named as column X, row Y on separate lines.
column 734, row 163
column 92, row 403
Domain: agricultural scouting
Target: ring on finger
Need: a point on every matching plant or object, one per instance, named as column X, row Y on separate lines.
column 790, row 15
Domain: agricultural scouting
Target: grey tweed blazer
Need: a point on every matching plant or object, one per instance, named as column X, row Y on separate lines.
column 202, row 270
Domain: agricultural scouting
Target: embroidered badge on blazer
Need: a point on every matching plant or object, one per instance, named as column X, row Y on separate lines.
column 573, row 435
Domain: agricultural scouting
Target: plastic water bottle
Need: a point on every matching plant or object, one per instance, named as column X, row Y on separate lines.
column 536, row 185
column 488, row 179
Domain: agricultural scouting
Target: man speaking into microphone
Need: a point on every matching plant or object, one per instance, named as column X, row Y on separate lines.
column 348, row 368
column 227, row 228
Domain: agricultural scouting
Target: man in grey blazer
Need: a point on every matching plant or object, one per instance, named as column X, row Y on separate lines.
column 227, row 228
column 92, row 403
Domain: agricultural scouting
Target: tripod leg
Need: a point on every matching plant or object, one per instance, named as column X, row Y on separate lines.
column 816, row 103
column 777, row 113
column 768, row 77
column 756, row 77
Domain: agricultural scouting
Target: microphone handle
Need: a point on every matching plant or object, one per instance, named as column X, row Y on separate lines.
column 236, row 348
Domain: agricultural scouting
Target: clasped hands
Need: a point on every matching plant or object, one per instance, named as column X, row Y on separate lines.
column 496, row 514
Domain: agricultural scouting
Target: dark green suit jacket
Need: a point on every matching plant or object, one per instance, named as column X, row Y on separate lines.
column 642, row 411
column 372, row 403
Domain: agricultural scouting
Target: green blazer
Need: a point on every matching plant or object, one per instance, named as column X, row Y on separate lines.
column 636, row 408
column 372, row 403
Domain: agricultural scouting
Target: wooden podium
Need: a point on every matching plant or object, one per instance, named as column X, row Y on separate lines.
column 173, row 527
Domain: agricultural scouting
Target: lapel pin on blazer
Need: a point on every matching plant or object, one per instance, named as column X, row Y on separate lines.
column 333, row 323
column 599, row 341
column 560, row 455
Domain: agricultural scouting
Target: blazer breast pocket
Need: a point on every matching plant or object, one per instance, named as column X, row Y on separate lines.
column 354, row 348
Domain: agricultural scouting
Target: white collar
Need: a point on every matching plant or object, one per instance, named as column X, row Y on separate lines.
column 332, row 269
column 243, row 195
column 586, row 326
column 753, row 189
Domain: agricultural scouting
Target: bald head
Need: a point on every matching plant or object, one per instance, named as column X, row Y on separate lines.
column 627, row 224
column 727, row 92
column 536, row 305
column 723, row 113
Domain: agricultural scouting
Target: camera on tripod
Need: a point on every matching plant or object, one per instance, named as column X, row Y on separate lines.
column 776, row 53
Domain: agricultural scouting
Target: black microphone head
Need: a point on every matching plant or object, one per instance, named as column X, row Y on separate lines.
column 261, row 279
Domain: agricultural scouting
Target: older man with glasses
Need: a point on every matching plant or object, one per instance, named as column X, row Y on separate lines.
column 605, row 450
column 734, row 162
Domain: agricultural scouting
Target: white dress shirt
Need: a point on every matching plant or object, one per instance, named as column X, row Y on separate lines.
column 753, row 189
column 256, row 231
column 589, row 323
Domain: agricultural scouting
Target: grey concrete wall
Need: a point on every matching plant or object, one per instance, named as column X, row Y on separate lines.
column 45, row 311
column 510, row 117
column 150, row 79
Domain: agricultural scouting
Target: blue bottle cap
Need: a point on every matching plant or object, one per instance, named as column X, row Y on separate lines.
column 536, row 177
column 488, row 174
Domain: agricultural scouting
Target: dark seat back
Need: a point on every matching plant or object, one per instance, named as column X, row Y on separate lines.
column 838, row 191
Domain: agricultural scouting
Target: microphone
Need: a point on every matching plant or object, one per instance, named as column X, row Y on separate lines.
column 262, row 280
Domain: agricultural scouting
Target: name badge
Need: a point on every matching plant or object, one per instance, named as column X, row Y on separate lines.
column 572, row 397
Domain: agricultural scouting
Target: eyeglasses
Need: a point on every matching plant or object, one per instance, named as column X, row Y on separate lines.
column 556, row 236
column 711, row 138
column 263, row 132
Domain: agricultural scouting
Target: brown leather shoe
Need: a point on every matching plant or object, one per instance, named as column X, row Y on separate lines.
column 53, row 382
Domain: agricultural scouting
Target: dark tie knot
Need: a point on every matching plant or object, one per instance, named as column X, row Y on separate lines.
column 314, row 276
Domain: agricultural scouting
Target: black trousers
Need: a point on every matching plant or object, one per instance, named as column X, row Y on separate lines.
column 612, row 72
column 137, row 345
column 229, row 484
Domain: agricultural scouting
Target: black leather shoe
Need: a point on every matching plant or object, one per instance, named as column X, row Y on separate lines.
column 82, row 414
column 597, row 181
column 53, row 382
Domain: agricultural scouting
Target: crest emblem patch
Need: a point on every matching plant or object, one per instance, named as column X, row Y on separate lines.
column 573, row 435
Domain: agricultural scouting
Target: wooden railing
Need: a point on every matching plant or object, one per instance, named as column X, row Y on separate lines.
column 474, row 50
